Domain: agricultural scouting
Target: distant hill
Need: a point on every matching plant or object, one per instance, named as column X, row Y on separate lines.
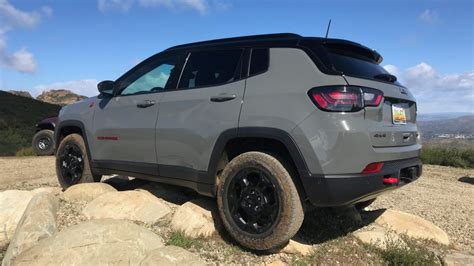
column 21, row 93
column 18, row 116
column 463, row 125
column 441, row 116
column 60, row 97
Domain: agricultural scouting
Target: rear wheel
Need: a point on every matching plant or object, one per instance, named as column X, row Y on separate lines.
column 72, row 162
column 43, row 142
column 258, row 201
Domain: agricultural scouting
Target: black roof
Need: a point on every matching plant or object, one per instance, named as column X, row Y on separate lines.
column 276, row 38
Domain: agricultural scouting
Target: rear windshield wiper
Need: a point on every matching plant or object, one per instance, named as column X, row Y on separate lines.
column 386, row 77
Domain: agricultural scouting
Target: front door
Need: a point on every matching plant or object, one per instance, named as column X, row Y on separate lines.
column 124, row 125
column 206, row 102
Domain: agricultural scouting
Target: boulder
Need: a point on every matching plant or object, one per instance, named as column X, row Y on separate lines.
column 12, row 205
column 38, row 222
column 195, row 218
column 171, row 255
column 412, row 226
column 455, row 259
column 379, row 237
column 86, row 191
column 172, row 194
column 130, row 205
column 297, row 247
column 52, row 190
column 96, row 242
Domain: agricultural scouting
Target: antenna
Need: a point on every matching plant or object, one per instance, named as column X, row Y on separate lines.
column 329, row 26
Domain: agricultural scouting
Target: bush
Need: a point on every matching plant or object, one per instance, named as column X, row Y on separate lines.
column 180, row 240
column 28, row 151
column 448, row 156
column 410, row 253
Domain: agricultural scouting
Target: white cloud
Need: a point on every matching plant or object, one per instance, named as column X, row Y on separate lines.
column 201, row 6
column 122, row 5
column 87, row 87
column 429, row 16
column 21, row 60
column 437, row 92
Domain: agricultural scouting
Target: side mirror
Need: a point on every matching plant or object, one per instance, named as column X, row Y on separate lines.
column 106, row 87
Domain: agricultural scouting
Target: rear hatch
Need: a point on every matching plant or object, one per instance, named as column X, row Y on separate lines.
column 393, row 122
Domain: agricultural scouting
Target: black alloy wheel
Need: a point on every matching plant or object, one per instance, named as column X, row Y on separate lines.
column 253, row 201
column 71, row 164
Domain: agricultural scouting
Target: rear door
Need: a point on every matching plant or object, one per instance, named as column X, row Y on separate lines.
column 206, row 102
column 124, row 125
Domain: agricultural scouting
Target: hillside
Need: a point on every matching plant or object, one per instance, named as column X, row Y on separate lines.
column 18, row 116
column 60, row 97
column 21, row 93
column 463, row 125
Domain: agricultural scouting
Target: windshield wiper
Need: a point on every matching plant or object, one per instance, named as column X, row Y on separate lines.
column 386, row 77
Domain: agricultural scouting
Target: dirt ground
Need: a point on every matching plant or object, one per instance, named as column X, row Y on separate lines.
column 443, row 195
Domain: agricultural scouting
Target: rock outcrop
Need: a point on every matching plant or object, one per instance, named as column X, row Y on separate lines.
column 60, row 97
column 171, row 255
column 97, row 242
column 38, row 222
column 86, row 191
column 195, row 218
column 130, row 205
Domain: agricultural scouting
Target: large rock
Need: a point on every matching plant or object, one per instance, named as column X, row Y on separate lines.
column 130, row 205
column 297, row 247
column 96, row 242
column 38, row 222
column 86, row 191
column 52, row 190
column 12, row 205
column 171, row 255
column 455, row 259
column 195, row 218
column 412, row 226
column 379, row 237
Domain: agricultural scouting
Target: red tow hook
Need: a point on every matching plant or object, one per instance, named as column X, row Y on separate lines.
column 390, row 180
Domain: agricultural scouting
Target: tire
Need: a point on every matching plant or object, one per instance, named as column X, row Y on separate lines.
column 362, row 205
column 43, row 142
column 239, row 198
column 72, row 162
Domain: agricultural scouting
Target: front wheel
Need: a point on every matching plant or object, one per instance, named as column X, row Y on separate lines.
column 258, row 201
column 72, row 162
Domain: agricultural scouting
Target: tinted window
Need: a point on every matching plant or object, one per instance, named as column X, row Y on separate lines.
column 259, row 61
column 348, row 59
column 152, row 77
column 209, row 68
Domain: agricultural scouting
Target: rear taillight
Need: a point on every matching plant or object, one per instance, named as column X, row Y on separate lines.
column 345, row 98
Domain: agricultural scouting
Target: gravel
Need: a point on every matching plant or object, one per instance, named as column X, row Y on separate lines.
column 438, row 196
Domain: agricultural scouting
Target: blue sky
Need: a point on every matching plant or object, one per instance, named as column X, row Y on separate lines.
column 73, row 44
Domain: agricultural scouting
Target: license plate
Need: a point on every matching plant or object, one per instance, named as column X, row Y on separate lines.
column 398, row 115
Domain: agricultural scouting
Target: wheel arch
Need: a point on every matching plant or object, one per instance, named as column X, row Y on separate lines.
column 68, row 127
column 272, row 140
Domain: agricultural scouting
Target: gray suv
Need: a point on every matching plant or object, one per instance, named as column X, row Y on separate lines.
column 270, row 125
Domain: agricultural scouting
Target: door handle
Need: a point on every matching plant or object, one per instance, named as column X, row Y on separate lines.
column 223, row 98
column 146, row 103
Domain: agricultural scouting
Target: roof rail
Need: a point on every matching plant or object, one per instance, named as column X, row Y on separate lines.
column 238, row 39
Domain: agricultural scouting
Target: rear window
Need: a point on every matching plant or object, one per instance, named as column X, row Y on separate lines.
column 350, row 60
column 210, row 68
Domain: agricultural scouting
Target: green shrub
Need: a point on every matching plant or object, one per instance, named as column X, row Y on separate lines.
column 448, row 156
column 180, row 240
column 28, row 151
column 410, row 253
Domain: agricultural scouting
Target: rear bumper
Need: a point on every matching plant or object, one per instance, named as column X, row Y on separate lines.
column 342, row 190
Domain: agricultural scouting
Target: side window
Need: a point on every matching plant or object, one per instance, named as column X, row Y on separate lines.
column 259, row 61
column 153, row 77
column 209, row 68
